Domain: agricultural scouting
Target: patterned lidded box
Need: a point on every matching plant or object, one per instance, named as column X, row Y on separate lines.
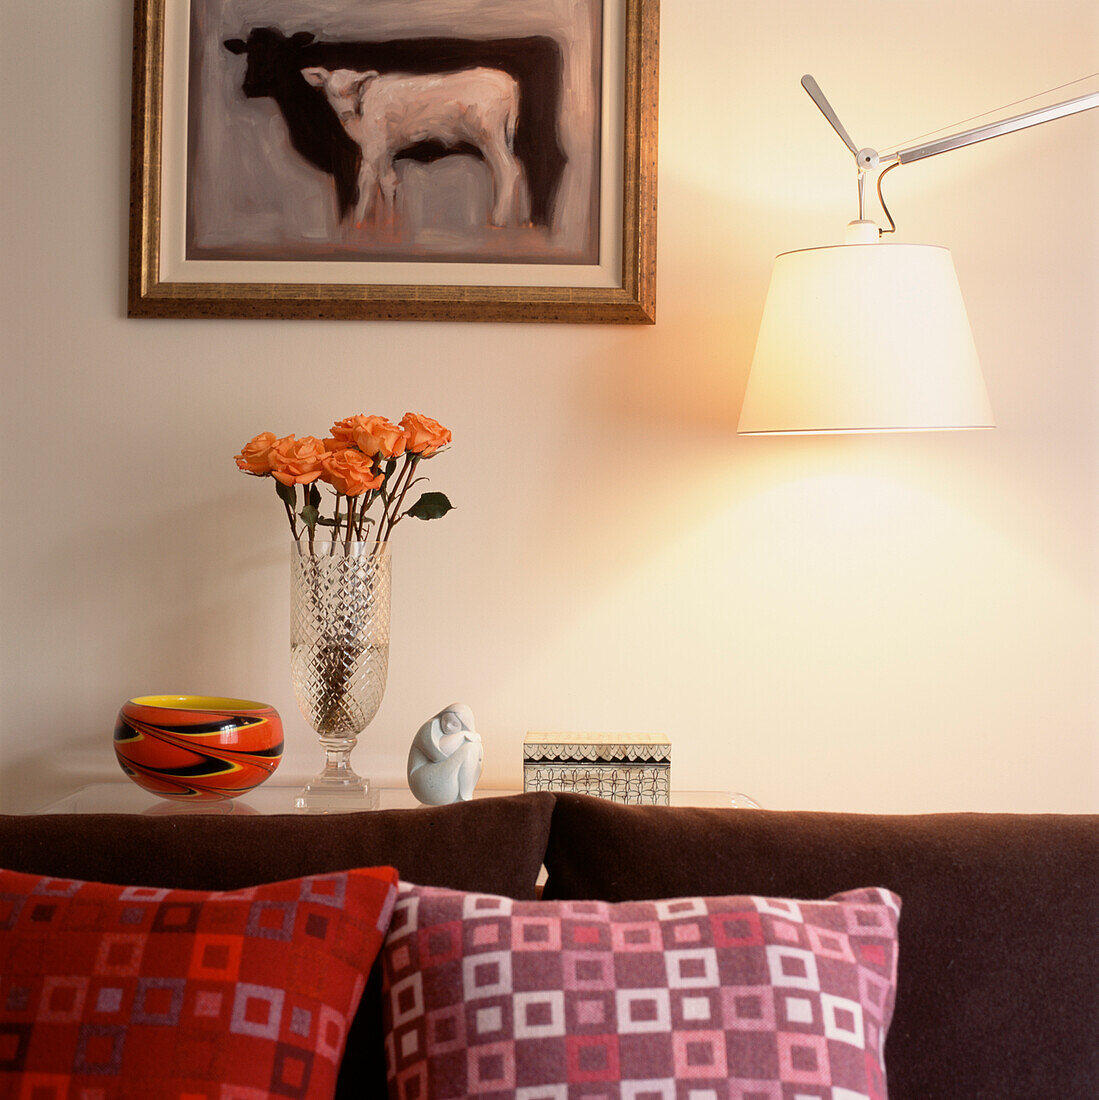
column 634, row 768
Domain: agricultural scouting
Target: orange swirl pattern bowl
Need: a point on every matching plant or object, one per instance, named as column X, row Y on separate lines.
column 197, row 748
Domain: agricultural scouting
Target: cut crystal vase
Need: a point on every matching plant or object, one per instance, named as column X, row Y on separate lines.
column 339, row 656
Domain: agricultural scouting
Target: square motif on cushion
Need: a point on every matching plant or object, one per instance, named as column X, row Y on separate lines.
column 536, row 934
column 193, row 994
column 738, row 996
column 646, row 936
column 590, row 1012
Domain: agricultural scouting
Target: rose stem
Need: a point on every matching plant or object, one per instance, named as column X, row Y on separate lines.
column 409, row 469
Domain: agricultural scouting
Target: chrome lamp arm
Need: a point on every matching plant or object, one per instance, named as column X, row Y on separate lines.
column 870, row 158
column 867, row 159
column 995, row 129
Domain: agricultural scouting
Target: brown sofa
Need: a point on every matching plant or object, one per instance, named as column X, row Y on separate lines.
column 997, row 997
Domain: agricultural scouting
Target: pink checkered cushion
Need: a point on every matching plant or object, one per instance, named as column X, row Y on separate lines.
column 735, row 998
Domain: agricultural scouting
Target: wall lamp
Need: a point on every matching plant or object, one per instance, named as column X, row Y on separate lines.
column 867, row 336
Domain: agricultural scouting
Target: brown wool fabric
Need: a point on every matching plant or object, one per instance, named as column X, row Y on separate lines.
column 997, row 993
column 493, row 845
column 490, row 845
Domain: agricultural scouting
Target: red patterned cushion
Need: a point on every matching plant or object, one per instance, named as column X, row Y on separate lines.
column 114, row 991
column 736, row 998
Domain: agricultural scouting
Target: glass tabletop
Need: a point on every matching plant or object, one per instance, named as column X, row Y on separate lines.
column 287, row 797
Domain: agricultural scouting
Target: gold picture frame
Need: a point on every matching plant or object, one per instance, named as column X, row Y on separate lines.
column 623, row 291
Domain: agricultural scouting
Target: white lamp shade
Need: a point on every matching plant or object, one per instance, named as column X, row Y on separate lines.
column 864, row 337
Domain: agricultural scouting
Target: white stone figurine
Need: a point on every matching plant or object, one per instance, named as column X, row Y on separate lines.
column 444, row 762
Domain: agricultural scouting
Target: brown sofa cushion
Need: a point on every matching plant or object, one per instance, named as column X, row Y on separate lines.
column 999, row 935
column 493, row 845
column 490, row 845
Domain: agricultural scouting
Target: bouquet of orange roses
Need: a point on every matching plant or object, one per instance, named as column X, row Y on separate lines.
column 367, row 463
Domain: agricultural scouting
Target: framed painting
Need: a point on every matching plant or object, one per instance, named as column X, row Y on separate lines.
column 478, row 160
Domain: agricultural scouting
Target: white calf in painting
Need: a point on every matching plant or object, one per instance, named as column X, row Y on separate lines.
column 386, row 113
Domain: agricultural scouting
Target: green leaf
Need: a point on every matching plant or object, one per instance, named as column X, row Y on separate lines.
column 288, row 494
column 310, row 516
column 313, row 495
column 324, row 521
column 430, row 506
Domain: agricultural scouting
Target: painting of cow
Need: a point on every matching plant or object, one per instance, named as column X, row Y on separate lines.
column 385, row 145
column 386, row 114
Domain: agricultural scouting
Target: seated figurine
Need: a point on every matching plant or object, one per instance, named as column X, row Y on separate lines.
column 444, row 762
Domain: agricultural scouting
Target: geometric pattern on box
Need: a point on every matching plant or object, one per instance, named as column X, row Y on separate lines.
column 630, row 784
column 634, row 769
column 135, row 992
column 734, row 998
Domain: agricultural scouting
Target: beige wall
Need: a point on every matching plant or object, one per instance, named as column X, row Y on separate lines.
column 877, row 623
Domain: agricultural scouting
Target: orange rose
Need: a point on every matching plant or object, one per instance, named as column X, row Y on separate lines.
column 425, row 436
column 350, row 472
column 255, row 455
column 297, row 461
column 375, row 435
column 343, row 431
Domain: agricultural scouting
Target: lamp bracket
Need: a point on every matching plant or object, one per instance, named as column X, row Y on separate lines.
column 867, row 159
